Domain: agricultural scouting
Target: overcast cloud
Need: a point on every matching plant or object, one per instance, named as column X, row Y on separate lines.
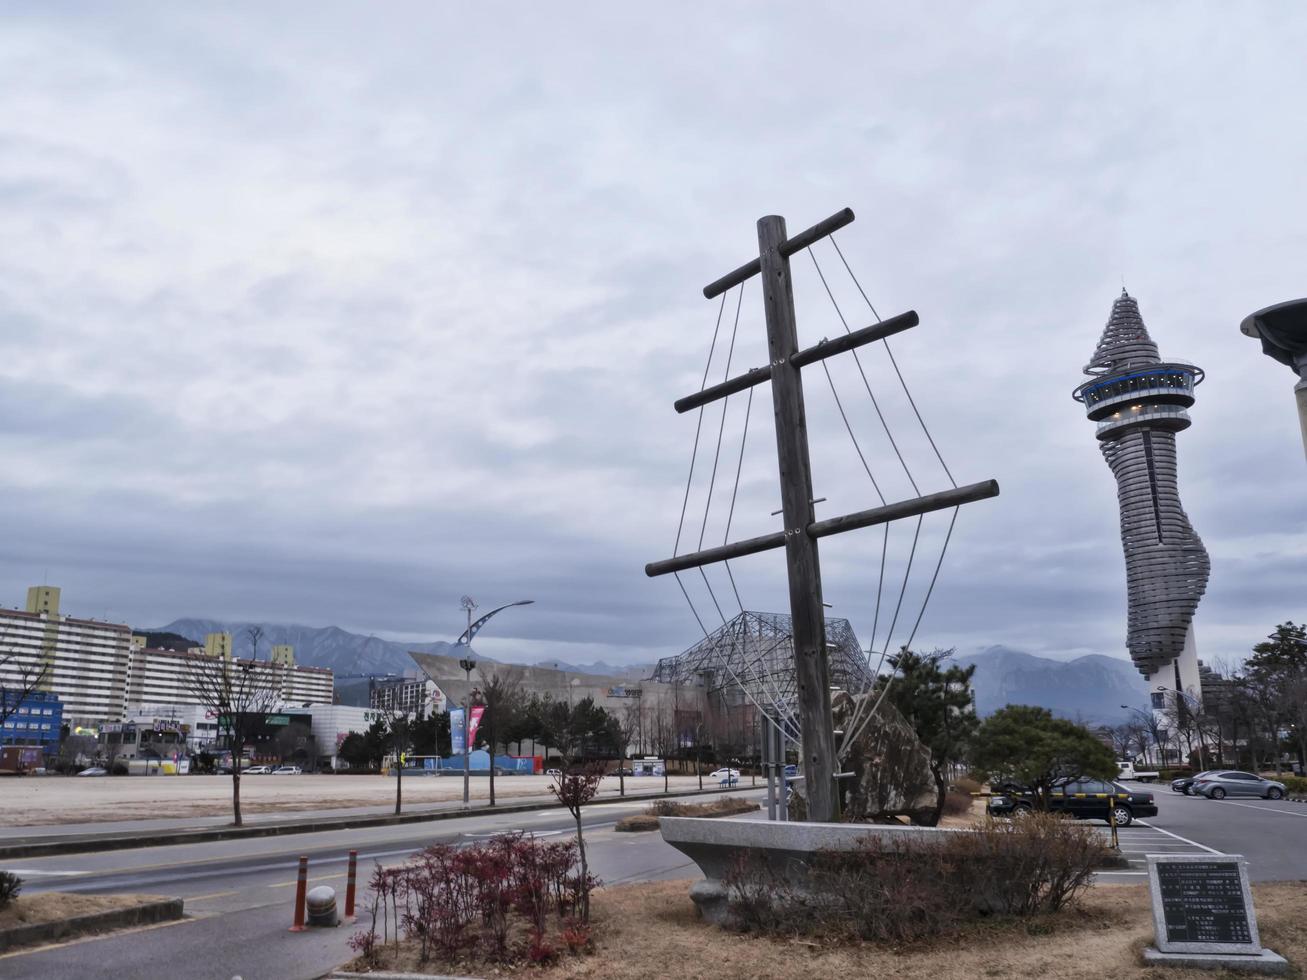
column 328, row 314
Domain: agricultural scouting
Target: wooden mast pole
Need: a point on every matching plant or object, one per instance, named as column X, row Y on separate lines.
column 809, row 625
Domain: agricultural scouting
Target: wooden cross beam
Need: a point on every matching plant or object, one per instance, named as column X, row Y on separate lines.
column 801, row 528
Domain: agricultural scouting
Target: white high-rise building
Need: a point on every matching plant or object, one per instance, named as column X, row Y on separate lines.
column 86, row 662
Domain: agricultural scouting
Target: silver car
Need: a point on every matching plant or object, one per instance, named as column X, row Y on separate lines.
column 1221, row 783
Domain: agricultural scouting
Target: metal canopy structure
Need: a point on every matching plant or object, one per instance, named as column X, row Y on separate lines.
column 754, row 654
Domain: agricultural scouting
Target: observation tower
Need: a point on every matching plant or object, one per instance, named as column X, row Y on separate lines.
column 1139, row 402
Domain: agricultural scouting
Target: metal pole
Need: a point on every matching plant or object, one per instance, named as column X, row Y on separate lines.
column 768, row 771
column 301, row 889
column 782, row 784
column 350, row 885
column 809, row 627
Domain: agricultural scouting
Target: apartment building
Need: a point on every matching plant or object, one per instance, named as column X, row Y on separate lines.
column 85, row 662
column 97, row 669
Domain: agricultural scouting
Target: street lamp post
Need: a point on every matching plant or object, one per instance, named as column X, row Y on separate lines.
column 1282, row 329
column 467, row 664
column 1202, row 757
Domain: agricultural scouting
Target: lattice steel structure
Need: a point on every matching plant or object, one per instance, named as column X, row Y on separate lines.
column 752, row 657
column 1139, row 402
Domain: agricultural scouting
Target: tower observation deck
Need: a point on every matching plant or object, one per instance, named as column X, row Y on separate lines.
column 1139, row 402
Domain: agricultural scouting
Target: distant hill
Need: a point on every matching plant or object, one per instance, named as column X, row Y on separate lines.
column 164, row 640
column 328, row 646
column 1090, row 689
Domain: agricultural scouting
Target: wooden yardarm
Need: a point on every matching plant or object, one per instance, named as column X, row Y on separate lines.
column 801, row 529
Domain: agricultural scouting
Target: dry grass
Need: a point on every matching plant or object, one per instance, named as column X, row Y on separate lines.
column 727, row 806
column 28, row 910
column 638, row 927
column 652, row 931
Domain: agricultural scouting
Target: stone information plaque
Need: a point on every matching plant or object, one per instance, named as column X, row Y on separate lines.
column 1203, row 902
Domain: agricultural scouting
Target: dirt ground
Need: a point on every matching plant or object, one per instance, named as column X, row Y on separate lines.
column 642, row 930
column 70, row 799
column 725, row 806
column 27, row 910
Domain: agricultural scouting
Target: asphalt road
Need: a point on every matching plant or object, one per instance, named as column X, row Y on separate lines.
column 239, row 894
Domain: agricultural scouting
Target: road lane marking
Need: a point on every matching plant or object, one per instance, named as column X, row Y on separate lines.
column 1292, row 813
column 32, row 872
column 1209, row 850
column 288, row 884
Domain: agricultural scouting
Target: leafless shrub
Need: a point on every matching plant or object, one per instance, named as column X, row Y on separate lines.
column 900, row 890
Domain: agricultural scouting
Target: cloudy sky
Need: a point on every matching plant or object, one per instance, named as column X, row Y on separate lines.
column 329, row 314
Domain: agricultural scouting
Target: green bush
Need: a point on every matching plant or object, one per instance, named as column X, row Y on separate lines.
column 1166, row 775
column 10, row 886
column 1295, row 784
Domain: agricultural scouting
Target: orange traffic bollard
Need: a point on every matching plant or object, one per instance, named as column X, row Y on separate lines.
column 349, row 885
column 301, row 887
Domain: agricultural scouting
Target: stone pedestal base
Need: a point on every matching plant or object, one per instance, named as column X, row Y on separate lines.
column 1263, row 962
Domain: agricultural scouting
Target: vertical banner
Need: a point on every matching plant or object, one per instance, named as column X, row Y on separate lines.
column 457, row 743
column 477, row 711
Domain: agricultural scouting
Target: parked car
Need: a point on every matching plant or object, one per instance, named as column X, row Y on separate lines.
column 1226, row 782
column 1184, row 784
column 287, row 771
column 791, row 772
column 1085, row 799
column 1125, row 769
column 622, row 772
column 724, row 773
column 556, row 774
column 256, row 771
column 94, row 771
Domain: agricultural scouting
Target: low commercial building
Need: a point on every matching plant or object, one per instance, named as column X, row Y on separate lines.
column 332, row 724
column 35, row 720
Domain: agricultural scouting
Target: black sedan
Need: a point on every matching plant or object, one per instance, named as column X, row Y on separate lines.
column 1085, row 799
column 1185, row 784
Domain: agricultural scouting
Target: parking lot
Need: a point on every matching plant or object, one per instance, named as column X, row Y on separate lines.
column 1272, row 835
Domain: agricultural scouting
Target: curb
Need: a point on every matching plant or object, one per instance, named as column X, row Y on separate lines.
column 41, row 933
column 130, row 839
column 396, row 976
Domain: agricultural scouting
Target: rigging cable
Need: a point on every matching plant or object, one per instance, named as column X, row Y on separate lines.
column 694, row 453
column 859, row 723
column 717, row 455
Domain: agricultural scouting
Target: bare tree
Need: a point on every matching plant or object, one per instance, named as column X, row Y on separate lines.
column 20, row 675
column 501, row 693
column 397, row 723
column 240, row 694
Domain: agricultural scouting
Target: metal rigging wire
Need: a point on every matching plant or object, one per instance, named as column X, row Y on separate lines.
column 717, row 455
column 862, row 718
column 694, row 453
column 867, row 384
column 895, row 363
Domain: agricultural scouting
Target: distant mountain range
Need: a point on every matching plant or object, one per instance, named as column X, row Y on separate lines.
column 347, row 654
column 1090, row 689
column 327, row 646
